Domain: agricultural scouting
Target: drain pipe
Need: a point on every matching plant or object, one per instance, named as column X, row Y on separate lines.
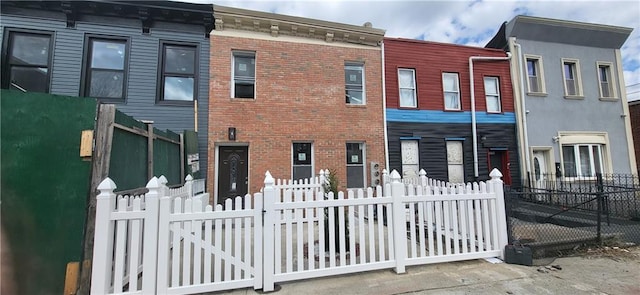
column 384, row 112
column 473, row 105
column 524, row 106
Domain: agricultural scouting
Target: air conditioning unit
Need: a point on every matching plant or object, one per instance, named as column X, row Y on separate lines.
column 376, row 174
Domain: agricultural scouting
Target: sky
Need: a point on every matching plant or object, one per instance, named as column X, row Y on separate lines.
column 471, row 23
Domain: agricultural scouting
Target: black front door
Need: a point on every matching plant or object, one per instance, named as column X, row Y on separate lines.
column 232, row 172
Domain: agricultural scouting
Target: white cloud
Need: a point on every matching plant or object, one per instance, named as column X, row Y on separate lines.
column 462, row 22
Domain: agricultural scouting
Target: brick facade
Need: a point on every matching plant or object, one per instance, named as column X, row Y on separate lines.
column 300, row 96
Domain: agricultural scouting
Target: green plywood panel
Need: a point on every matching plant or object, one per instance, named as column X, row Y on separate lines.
column 128, row 165
column 45, row 185
column 166, row 158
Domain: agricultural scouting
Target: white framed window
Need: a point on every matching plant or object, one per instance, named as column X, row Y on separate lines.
column 606, row 80
column 582, row 160
column 451, row 87
column 535, row 74
column 407, row 87
column 571, row 75
column 410, row 158
column 355, row 164
column 302, row 160
column 244, row 75
column 455, row 164
column 492, row 94
column 354, row 84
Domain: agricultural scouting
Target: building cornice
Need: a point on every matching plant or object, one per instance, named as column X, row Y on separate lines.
column 229, row 18
column 572, row 24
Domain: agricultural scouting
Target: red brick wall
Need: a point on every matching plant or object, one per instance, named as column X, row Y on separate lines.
column 634, row 113
column 430, row 60
column 300, row 96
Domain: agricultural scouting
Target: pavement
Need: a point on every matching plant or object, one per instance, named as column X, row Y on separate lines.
column 601, row 271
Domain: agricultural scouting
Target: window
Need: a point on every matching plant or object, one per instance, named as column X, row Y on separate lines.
column 492, row 94
column 355, row 165
column 606, row 81
column 535, row 74
column 407, row 86
column 454, row 161
column 105, row 68
column 27, row 62
column 451, row 88
column 582, row 160
column 354, row 83
column 244, row 75
column 302, row 160
column 571, row 73
column 410, row 158
column 178, row 74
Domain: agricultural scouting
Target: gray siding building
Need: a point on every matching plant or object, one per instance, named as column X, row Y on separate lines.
column 149, row 58
column 571, row 108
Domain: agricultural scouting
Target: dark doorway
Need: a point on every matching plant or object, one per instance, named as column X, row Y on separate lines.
column 232, row 172
column 500, row 159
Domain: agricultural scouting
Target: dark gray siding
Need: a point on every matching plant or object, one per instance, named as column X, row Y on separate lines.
column 142, row 85
column 433, row 153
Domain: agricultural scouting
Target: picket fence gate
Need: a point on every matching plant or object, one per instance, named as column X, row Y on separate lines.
column 166, row 242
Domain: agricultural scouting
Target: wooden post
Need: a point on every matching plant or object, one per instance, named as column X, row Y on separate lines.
column 99, row 170
column 149, row 150
column 399, row 222
column 103, row 247
column 181, row 147
column 497, row 187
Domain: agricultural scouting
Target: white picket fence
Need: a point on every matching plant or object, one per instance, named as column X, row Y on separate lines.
column 279, row 234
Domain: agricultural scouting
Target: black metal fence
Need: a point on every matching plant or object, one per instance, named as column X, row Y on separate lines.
column 551, row 212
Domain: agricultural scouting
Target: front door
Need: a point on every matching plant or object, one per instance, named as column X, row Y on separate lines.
column 539, row 170
column 232, row 172
column 500, row 159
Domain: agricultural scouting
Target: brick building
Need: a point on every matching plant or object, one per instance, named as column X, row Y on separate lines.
column 292, row 95
column 439, row 121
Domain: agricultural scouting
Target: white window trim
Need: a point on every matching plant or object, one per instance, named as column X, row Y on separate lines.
column 233, row 74
column 577, row 78
column 364, row 87
column 486, row 94
column 313, row 173
column 402, row 163
column 577, row 138
column 541, row 84
column 445, row 91
column 415, row 94
column 612, row 81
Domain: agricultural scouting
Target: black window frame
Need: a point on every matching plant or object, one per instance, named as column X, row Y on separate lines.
column 8, row 33
column 85, row 85
column 162, row 75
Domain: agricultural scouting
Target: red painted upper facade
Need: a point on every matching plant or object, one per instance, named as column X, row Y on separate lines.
column 430, row 60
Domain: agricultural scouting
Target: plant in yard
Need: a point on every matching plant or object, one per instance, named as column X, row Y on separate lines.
column 331, row 185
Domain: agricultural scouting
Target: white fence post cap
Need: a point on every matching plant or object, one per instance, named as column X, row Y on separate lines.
column 268, row 179
column 107, row 185
column 188, row 178
column 495, row 174
column 162, row 179
column 154, row 183
column 422, row 172
column 395, row 176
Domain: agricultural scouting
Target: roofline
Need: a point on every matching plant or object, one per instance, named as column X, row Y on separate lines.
column 294, row 19
column 442, row 43
column 574, row 24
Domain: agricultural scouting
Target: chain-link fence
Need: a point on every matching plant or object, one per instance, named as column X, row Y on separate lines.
column 553, row 213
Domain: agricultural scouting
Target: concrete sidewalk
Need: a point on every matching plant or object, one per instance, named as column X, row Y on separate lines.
column 578, row 275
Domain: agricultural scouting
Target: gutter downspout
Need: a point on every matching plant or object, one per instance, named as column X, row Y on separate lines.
column 524, row 107
column 384, row 111
column 473, row 106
